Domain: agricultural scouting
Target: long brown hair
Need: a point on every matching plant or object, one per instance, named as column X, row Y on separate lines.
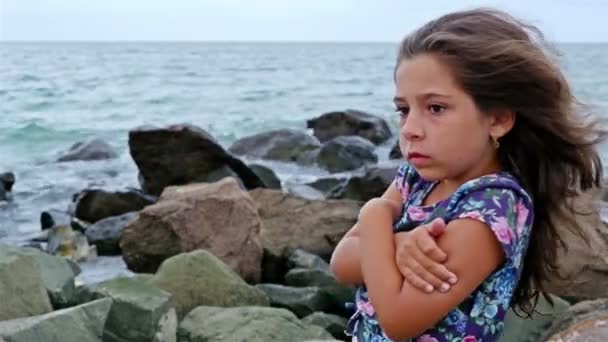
column 505, row 64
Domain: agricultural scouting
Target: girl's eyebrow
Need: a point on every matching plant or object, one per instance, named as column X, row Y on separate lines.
column 423, row 96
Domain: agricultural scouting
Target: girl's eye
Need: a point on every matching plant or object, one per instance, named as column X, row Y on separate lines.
column 436, row 109
column 403, row 111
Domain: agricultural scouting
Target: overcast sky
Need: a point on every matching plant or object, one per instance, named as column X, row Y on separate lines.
column 275, row 20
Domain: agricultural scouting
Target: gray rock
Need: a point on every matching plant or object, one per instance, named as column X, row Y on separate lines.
column 94, row 149
column 350, row 122
column 302, row 259
column 106, row 234
column 367, row 183
column 284, row 144
column 94, row 205
column 334, row 324
column 327, row 184
column 22, row 288
column 302, row 301
column 586, row 321
column 76, row 324
column 251, row 324
column 57, row 274
column 199, row 278
column 7, row 180
column 336, row 294
column 304, row 191
column 140, row 311
column 395, row 152
column 346, row 153
column 191, row 157
column 270, row 179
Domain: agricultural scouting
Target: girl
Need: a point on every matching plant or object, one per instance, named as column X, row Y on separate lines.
column 495, row 146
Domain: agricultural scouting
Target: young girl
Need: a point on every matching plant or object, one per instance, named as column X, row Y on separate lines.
column 495, row 146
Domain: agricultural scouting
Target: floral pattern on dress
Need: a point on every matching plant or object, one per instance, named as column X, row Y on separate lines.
column 504, row 206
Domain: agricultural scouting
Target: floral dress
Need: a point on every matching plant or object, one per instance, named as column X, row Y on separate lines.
column 504, row 206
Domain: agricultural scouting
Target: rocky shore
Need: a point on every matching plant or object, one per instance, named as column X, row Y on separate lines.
column 221, row 250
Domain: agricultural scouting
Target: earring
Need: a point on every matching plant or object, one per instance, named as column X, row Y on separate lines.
column 495, row 143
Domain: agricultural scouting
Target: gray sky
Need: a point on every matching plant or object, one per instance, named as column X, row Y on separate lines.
column 276, row 20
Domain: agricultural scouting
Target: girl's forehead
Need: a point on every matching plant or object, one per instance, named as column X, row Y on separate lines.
column 424, row 74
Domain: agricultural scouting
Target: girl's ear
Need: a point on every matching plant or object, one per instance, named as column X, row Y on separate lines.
column 502, row 122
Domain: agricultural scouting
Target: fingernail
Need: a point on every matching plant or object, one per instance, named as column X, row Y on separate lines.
column 429, row 288
column 452, row 280
column 445, row 287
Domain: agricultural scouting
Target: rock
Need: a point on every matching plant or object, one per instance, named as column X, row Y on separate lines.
column 106, row 234
column 191, row 156
column 94, row 149
column 7, row 180
column 22, row 288
column 327, row 184
column 218, row 217
column 369, row 182
column 302, row 259
column 350, row 122
column 585, row 266
column 395, row 152
column 289, row 223
column 76, row 324
column 346, row 153
column 302, row 301
column 519, row 329
column 336, row 295
column 268, row 177
column 584, row 322
column 57, row 273
column 288, row 145
column 251, row 324
column 140, row 311
column 94, row 205
column 199, row 278
column 334, row 324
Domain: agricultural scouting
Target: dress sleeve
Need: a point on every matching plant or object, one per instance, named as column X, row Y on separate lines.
column 506, row 210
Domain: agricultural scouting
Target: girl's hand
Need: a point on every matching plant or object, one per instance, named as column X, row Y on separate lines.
column 420, row 260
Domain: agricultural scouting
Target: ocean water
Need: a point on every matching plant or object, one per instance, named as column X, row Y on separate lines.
column 55, row 94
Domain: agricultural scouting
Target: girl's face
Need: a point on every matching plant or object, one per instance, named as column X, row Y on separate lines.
column 442, row 133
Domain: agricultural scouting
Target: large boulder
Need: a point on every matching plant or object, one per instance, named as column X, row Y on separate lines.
column 57, row 273
column 106, row 234
column 395, row 152
column 219, row 217
column 93, row 149
column 140, row 310
column 369, row 182
column 199, row 278
column 346, row 153
column 182, row 154
column 335, row 294
column 252, row 324
column 290, row 223
column 22, row 289
column 584, row 265
column 584, row 322
column 76, row 324
column 268, row 177
column 93, row 205
column 350, row 122
column 288, row 145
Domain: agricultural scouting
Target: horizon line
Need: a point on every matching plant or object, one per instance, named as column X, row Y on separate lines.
column 240, row 41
